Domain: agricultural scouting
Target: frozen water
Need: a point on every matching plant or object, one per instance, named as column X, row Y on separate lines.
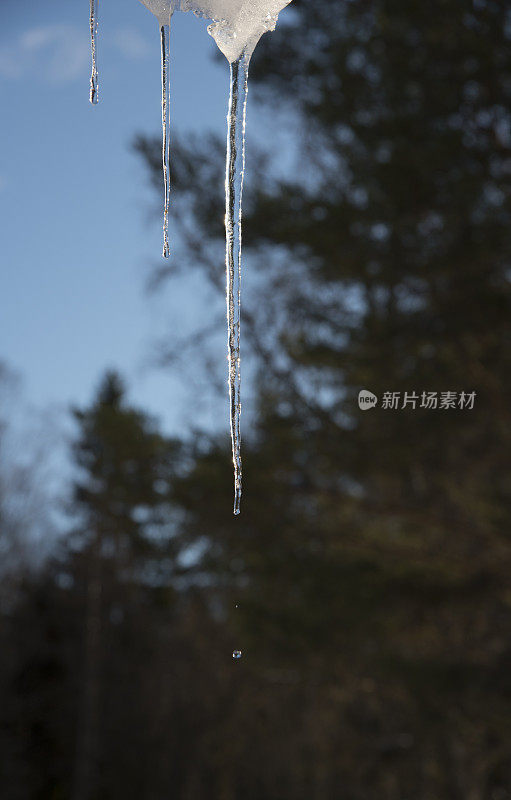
column 94, row 83
column 237, row 24
column 165, row 124
column 236, row 28
column 234, row 173
column 162, row 9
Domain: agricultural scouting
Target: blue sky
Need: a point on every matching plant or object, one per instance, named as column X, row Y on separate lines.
column 78, row 236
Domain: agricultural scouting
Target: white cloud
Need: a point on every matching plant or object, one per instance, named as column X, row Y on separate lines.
column 55, row 53
column 131, row 43
column 60, row 53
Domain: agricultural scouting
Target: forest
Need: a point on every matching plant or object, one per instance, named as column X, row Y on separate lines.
column 366, row 581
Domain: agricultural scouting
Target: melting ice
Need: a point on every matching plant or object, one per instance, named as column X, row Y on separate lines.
column 93, row 96
column 163, row 10
column 237, row 26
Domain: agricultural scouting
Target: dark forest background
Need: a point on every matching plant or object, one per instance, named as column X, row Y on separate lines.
column 367, row 580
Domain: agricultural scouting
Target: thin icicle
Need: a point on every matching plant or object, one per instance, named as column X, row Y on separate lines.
column 235, row 167
column 163, row 10
column 94, row 81
column 165, row 121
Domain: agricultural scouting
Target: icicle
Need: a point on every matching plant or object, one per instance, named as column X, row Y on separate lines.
column 94, row 82
column 165, row 120
column 235, row 167
column 163, row 10
column 237, row 26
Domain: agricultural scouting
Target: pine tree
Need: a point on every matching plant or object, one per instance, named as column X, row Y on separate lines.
column 123, row 539
column 372, row 554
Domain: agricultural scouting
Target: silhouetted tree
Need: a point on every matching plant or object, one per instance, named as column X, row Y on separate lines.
column 366, row 581
column 372, row 555
column 121, row 499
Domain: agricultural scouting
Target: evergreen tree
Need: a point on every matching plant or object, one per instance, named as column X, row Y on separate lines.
column 126, row 543
column 372, row 555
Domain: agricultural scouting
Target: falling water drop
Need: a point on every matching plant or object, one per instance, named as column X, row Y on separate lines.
column 165, row 121
column 236, row 654
column 94, row 82
column 235, row 168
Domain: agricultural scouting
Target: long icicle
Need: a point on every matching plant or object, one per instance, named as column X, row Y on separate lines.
column 235, row 167
column 165, row 121
column 94, row 80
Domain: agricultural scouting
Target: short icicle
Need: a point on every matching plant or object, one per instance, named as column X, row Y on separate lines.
column 94, row 82
column 235, row 167
column 165, row 120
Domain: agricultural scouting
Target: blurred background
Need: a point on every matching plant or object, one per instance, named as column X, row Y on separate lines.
column 367, row 580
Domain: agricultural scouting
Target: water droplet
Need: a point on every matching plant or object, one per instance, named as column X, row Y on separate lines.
column 236, row 654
